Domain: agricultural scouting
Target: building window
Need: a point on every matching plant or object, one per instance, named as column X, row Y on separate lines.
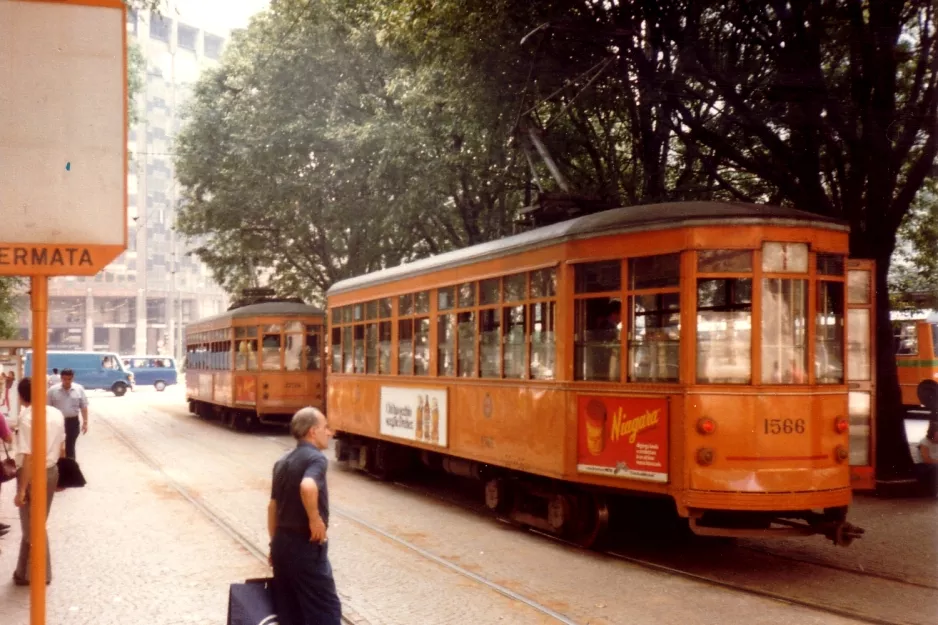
column 160, row 28
column 186, row 36
column 213, row 45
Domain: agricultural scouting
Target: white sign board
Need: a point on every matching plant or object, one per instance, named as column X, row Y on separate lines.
column 415, row 414
column 63, row 145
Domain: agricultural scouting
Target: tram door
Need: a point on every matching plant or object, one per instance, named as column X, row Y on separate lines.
column 861, row 372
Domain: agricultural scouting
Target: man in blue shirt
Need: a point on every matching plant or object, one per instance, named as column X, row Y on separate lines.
column 297, row 521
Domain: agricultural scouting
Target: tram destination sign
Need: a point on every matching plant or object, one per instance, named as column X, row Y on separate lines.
column 63, row 143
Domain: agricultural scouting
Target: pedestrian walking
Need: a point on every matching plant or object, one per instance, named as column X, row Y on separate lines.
column 54, row 378
column 71, row 400
column 55, row 443
column 297, row 521
column 928, row 469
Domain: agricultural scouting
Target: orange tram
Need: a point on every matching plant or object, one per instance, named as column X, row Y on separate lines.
column 259, row 362
column 689, row 351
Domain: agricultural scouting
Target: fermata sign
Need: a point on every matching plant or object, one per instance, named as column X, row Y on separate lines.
column 63, row 140
column 415, row 414
column 623, row 437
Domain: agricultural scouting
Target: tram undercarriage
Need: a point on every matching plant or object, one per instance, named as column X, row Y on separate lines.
column 578, row 513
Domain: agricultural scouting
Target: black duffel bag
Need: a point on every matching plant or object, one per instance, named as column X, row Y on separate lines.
column 252, row 603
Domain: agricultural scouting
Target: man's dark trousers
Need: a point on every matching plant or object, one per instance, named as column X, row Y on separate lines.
column 72, row 430
column 304, row 590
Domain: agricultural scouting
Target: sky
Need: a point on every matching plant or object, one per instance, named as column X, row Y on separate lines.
column 216, row 15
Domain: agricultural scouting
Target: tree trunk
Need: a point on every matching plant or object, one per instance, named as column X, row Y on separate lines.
column 893, row 459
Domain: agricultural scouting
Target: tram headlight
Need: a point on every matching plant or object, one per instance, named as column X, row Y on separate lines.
column 705, row 456
column 841, row 425
column 706, row 425
column 841, row 453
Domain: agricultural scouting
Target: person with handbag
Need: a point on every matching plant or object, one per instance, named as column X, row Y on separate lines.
column 8, row 466
column 55, row 448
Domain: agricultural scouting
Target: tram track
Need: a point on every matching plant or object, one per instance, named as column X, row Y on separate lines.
column 259, row 552
column 647, row 561
column 711, row 580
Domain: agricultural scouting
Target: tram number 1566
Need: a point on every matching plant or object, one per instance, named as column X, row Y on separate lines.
column 783, row 426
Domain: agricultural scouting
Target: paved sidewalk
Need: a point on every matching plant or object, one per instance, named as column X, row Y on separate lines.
column 126, row 549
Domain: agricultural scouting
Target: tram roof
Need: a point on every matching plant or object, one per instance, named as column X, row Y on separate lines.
column 663, row 216
column 271, row 309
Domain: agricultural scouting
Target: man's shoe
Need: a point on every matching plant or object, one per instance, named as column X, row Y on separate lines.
column 4, row 526
column 19, row 581
column 4, row 531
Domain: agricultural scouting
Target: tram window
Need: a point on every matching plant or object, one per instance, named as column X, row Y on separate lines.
column 490, row 340
column 490, row 291
column 371, row 310
column 598, row 326
column 293, row 352
column 544, row 283
column 515, row 287
column 830, row 265
column 858, row 287
column 313, row 349
column 384, row 347
column 422, row 346
column 347, row 349
column 445, row 298
column 422, row 303
column 405, row 305
column 784, row 331
column 247, row 352
column 934, row 338
column 598, row 277
column 654, row 338
column 467, row 295
column 346, row 314
column 270, row 357
column 228, row 348
column 293, row 326
column 336, row 350
column 724, row 331
column 515, row 364
column 724, row 261
column 371, row 348
column 466, row 326
column 446, row 345
column 785, row 257
column 359, row 351
column 405, row 347
column 906, row 339
column 829, row 333
column 384, row 308
column 542, row 341
column 858, row 348
column 655, row 272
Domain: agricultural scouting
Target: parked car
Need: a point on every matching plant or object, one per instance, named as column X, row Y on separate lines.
column 158, row 371
column 93, row 370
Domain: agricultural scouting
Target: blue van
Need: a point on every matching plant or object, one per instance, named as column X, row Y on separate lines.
column 93, row 370
column 160, row 371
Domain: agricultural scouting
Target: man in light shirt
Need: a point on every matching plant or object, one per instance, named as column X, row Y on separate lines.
column 69, row 397
column 55, row 448
column 54, row 378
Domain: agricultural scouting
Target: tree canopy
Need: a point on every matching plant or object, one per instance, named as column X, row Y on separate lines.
column 341, row 137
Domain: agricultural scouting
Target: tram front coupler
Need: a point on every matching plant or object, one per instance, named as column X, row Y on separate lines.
column 843, row 533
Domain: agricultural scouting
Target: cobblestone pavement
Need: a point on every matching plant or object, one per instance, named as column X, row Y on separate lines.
column 126, row 549
column 390, row 584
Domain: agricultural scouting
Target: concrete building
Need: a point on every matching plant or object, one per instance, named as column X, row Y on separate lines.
column 141, row 301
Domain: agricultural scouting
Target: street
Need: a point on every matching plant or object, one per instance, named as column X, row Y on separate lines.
column 175, row 510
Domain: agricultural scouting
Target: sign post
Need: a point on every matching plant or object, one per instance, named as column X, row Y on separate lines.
column 63, row 179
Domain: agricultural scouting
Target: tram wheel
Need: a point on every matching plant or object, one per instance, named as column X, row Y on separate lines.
column 498, row 496
column 590, row 520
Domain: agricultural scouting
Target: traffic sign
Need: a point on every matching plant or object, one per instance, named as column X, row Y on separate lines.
column 63, row 143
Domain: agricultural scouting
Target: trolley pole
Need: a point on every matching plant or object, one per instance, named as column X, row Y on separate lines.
column 38, row 487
